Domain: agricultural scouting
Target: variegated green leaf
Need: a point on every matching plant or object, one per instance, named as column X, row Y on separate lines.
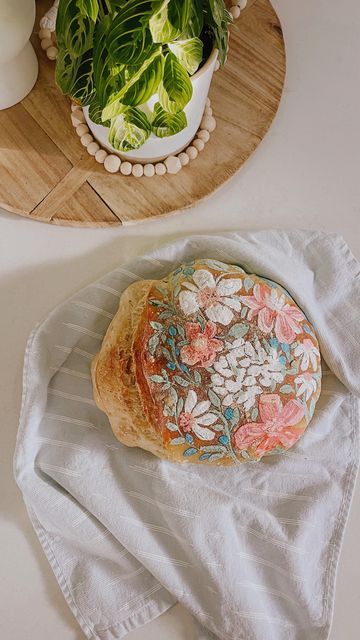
column 218, row 17
column 74, row 30
column 139, row 88
column 130, row 41
column 188, row 52
column 167, row 124
column 175, row 90
column 89, row 8
column 170, row 20
column 129, row 130
column 195, row 23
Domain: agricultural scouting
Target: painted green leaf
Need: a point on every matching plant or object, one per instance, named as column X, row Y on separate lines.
column 216, row 456
column 139, row 88
column 156, row 378
column 156, row 325
column 213, row 448
column 181, row 381
column 153, row 343
column 197, row 376
column 180, row 406
column 238, row 330
column 188, row 52
column 214, row 399
column 177, row 441
column 129, row 130
column 286, row 388
column 175, row 90
column 166, row 124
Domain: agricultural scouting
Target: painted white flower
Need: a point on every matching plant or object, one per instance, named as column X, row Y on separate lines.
column 217, row 300
column 197, row 418
column 306, row 385
column 308, row 353
column 242, row 372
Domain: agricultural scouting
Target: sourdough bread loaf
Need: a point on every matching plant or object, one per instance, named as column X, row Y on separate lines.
column 210, row 365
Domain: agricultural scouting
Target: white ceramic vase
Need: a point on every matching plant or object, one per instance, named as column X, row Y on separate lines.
column 156, row 149
column 18, row 61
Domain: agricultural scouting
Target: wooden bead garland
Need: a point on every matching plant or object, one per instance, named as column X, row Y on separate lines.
column 113, row 163
column 172, row 164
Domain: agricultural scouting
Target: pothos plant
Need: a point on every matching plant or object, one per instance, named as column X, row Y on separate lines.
column 114, row 55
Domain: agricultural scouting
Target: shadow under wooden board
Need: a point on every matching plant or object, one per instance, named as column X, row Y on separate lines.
column 46, row 174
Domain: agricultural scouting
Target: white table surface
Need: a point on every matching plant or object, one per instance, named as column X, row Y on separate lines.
column 305, row 174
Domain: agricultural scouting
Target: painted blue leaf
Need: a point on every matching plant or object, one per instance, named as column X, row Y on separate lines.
column 228, row 413
column 172, row 426
column 285, row 347
column 190, row 452
column 282, row 359
column 205, row 456
column 188, row 271
column 171, row 342
column 189, row 438
column 171, row 366
column 307, row 329
column 274, row 342
column 184, row 368
column 224, row 439
column 172, row 330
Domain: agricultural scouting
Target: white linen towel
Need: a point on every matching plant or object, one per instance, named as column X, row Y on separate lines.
column 250, row 551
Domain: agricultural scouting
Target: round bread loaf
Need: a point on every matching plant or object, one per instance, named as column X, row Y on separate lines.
column 209, row 365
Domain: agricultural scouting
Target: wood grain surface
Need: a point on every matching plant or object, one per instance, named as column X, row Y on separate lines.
column 46, row 174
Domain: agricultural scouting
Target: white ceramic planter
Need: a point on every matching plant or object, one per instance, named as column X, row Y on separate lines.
column 156, row 149
column 18, row 61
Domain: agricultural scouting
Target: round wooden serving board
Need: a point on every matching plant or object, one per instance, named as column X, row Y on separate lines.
column 47, row 175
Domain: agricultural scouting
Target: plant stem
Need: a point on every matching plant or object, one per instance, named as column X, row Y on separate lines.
column 231, row 452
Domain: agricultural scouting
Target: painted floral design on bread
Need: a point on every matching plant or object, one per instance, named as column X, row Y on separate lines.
column 227, row 365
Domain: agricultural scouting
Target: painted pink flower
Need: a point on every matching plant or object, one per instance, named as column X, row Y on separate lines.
column 273, row 311
column 275, row 428
column 203, row 345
